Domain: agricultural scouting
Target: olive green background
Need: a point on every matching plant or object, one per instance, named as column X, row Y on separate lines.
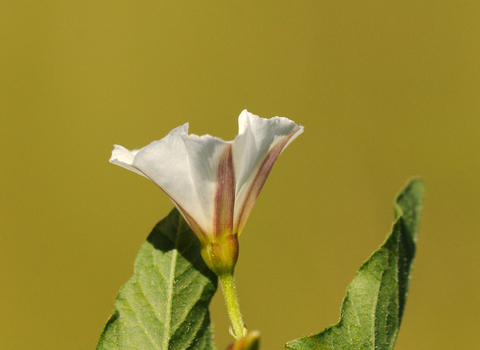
column 386, row 90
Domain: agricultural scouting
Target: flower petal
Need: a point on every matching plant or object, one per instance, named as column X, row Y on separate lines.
column 166, row 163
column 211, row 168
column 124, row 158
column 213, row 183
column 256, row 148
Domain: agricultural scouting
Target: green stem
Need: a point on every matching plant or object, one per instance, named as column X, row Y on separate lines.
column 230, row 294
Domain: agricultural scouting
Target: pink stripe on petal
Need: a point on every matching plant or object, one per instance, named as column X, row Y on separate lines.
column 225, row 194
column 260, row 178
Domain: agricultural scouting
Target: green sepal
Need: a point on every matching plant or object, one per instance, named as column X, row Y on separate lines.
column 221, row 253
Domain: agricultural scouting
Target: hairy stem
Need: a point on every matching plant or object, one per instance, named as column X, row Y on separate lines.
column 230, row 294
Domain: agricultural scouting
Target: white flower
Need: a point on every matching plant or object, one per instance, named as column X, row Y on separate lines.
column 213, row 183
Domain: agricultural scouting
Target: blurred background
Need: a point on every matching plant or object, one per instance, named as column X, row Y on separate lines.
column 385, row 90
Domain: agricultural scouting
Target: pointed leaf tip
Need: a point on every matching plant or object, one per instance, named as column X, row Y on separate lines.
column 409, row 205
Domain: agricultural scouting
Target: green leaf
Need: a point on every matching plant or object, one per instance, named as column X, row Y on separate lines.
column 165, row 304
column 373, row 306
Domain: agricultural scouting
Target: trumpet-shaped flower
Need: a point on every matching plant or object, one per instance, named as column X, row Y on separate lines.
column 213, row 183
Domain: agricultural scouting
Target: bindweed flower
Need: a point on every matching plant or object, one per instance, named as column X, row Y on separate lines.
column 213, row 183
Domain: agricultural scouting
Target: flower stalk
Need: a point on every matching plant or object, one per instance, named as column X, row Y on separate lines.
column 231, row 300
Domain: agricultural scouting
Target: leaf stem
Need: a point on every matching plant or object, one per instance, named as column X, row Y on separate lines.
column 229, row 292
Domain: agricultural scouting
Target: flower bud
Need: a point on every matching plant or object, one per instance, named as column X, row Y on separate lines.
column 250, row 342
